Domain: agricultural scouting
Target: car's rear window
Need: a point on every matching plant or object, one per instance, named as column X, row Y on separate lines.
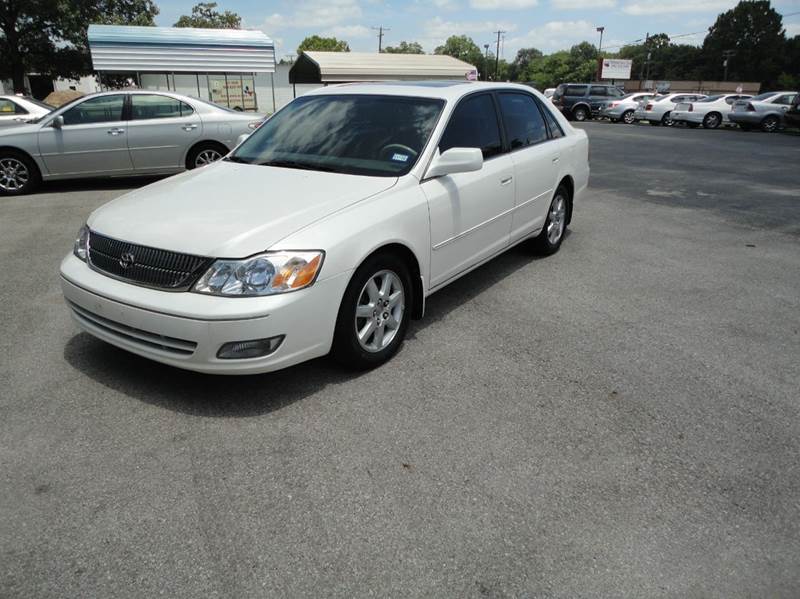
column 345, row 133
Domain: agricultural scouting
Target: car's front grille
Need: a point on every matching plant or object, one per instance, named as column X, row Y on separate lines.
column 149, row 340
column 144, row 265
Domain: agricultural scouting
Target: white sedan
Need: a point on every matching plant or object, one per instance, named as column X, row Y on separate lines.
column 15, row 110
column 328, row 227
column 711, row 112
column 658, row 111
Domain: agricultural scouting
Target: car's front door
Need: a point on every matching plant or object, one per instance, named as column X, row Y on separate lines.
column 470, row 213
column 536, row 159
column 92, row 140
column 160, row 131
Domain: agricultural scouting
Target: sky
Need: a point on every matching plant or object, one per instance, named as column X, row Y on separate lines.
column 548, row 25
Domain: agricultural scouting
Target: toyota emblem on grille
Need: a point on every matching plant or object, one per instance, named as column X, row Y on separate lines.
column 127, row 259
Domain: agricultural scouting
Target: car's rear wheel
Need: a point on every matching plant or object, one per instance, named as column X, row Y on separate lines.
column 374, row 314
column 204, row 154
column 549, row 240
column 666, row 120
column 628, row 117
column 580, row 114
column 770, row 123
column 18, row 174
column 712, row 120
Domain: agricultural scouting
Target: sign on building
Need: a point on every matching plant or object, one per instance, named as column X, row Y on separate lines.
column 615, row 68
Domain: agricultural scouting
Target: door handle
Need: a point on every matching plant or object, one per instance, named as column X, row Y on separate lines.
column 556, row 159
column 506, row 181
column 189, row 127
column 116, row 131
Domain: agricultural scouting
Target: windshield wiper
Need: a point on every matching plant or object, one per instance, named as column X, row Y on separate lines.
column 299, row 165
column 236, row 159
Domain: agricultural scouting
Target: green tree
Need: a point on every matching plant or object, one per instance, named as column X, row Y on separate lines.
column 322, row 44
column 205, row 16
column 753, row 31
column 49, row 37
column 463, row 48
column 790, row 77
column 405, row 48
column 520, row 67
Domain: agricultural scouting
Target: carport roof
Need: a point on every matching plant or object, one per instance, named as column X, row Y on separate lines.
column 343, row 67
column 177, row 49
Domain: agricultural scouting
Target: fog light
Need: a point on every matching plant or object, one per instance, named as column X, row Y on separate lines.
column 257, row 348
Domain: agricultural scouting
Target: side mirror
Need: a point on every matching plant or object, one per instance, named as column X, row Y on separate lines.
column 455, row 160
column 58, row 122
column 241, row 138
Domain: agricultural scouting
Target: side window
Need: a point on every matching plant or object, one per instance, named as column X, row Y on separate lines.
column 785, row 99
column 7, row 107
column 102, row 109
column 597, row 90
column 523, row 121
column 576, row 90
column 473, row 124
column 614, row 92
column 555, row 129
column 155, row 106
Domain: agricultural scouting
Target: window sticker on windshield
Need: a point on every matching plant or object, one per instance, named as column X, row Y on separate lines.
column 400, row 157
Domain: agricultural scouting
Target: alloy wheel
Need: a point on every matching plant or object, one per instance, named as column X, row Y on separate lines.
column 14, row 175
column 207, row 157
column 379, row 311
column 667, row 120
column 557, row 220
column 770, row 124
column 712, row 121
column 629, row 117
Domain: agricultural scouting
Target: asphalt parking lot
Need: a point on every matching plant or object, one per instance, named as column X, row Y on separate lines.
column 617, row 420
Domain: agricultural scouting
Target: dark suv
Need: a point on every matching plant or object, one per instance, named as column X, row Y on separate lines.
column 581, row 101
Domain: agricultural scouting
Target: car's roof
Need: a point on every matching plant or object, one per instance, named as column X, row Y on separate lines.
column 445, row 90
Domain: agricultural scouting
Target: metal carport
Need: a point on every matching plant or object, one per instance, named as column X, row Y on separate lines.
column 226, row 55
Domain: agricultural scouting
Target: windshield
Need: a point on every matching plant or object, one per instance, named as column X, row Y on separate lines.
column 355, row 134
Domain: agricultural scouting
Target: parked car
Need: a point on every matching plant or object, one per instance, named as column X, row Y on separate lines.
column 118, row 133
column 328, row 227
column 548, row 93
column 765, row 111
column 658, row 110
column 624, row 108
column 15, row 110
column 711, row 112
column 581, row 101
column 792, row 116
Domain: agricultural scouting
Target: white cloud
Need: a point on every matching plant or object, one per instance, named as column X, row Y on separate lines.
column 444, row 4
column 438, row 28
column 677, row 6
column 348, row 31
column 552, row 36
column 502, row 4
column 582, row 4
column 315, row 13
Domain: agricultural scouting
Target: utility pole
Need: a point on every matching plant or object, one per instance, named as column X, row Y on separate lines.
column 600, row 54
column 486, row 62
column 381, row 31
column 497, row 56
column 727, row 55
column 641, row 70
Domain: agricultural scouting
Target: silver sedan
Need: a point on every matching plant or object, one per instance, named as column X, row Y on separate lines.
column 120, row 133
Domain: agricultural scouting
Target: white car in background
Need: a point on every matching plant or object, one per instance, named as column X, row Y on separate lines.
column 711, row 112
column 326, row 229
column 119, row 133
column 624, row 109
column 658, row 110
column 16, row 110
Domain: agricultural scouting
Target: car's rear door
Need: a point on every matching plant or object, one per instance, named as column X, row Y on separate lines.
column 160, row 131
column 470, row 213
column 598, row 98
column 536, row 154
column 92, row 141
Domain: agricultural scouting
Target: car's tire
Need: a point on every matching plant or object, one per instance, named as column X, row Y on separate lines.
column 712, row 120
column 19, row 174
column 580, row 114
column 555, row 225
column 770, row 124
column 628, row 117
column 365, row 318
column 666, row 120
column 204, row 154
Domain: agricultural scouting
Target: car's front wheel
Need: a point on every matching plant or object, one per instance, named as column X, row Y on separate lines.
column 18, row 174
column 666, row 120
column 549, row 240
column 204, row 154
column 628, row 117
column 770, row 123
column 373, row 317
column 580, row 114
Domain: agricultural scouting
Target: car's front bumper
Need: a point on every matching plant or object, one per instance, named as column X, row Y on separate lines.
column 186, row 330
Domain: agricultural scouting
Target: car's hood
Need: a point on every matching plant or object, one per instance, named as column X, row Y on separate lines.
column 230, row 210
column 18, row 129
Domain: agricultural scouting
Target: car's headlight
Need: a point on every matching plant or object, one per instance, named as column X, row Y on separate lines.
column 265, row 274
column 81, row 246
